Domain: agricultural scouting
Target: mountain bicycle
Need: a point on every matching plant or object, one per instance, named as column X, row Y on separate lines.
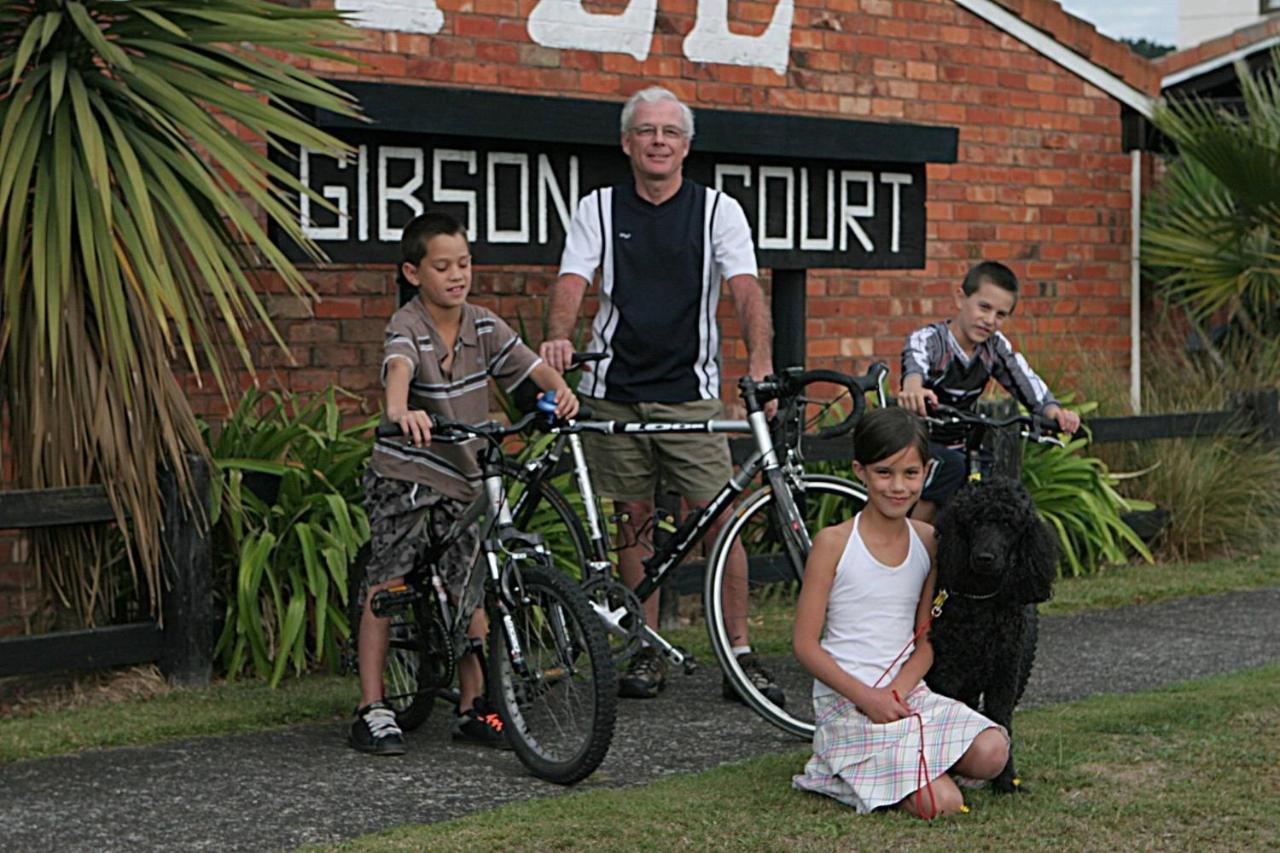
column 775, row 523
column 549, row 671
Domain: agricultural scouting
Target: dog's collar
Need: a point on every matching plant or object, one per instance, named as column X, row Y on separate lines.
column 971, row 596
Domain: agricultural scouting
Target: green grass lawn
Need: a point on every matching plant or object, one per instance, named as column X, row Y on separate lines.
column 245, row 706
column 1194, row 766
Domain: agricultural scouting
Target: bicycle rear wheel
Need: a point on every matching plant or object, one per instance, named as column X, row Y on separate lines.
column 772, row 588
column 406, row 680
column 558, row 703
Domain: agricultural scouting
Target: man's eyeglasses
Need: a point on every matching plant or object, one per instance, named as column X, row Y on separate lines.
column 649, row 131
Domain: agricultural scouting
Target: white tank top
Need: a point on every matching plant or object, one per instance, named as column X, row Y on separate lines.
column 871, row 611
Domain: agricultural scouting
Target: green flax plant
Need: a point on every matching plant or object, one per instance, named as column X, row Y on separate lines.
column 1211, row 231
column 135, row 191
column 288, row 521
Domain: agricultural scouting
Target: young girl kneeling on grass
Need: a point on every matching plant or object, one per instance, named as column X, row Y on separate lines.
column 883, row 737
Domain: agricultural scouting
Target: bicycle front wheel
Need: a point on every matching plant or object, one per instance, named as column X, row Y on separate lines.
column 558, row 695
column 769, row 592
column 539, row 507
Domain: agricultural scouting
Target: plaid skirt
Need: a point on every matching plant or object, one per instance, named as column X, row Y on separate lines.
column 867, row 766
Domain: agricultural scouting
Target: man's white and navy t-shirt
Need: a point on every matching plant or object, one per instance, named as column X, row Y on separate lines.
column 486, row 346
column 661, row 268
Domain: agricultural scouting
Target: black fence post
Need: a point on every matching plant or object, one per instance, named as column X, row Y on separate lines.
column 187, row 650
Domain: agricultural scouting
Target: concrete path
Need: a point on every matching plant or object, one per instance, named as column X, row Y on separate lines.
column 283, row 788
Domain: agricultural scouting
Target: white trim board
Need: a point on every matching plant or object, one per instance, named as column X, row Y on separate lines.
column 1217, row 62
column 1047, row 46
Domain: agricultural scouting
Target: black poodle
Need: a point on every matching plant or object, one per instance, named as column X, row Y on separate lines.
column 996, row 559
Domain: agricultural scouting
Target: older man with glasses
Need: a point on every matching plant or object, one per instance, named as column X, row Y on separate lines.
column 664, row 245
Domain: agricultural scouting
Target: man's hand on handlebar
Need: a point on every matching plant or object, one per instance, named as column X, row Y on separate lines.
column 414, row 424
column 558, row 354
column 1068, row 421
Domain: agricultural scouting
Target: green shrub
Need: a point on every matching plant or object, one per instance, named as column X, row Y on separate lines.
column 1077, row 494
column 283, row 565
column 1219, row 492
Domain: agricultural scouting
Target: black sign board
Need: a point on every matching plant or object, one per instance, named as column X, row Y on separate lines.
column 515, row 183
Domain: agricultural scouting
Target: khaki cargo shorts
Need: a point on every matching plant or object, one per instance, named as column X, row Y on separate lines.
column 627, row 467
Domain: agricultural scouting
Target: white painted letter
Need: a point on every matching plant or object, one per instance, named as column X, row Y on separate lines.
column 820, row 244
column 711, row 41
column 333, row 192
column 787, row 175
column 896, row 180
column 565, row 24
column 547, row 180
column 409, row 16
column 441, row 193
column 848, row 211
column 403, row 193
column 492, row 161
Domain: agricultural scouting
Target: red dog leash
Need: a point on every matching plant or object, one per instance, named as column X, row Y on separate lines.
column 923, row 779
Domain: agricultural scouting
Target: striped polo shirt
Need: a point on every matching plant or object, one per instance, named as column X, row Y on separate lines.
column 486, row 346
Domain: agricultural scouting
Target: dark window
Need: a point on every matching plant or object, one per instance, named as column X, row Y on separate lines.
column 1266, row 7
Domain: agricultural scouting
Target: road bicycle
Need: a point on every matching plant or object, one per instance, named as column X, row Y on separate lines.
column 775, row 523
column 549, row 671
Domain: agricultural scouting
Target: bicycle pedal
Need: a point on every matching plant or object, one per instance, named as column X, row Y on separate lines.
column 393, row 599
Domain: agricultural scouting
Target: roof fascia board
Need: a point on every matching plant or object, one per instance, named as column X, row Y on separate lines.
column 1055, row 51
column 1217, row 62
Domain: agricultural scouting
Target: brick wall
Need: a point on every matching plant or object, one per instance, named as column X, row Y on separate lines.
column 1040, row 183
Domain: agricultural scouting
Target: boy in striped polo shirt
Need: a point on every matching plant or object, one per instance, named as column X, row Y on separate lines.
column 438, row 356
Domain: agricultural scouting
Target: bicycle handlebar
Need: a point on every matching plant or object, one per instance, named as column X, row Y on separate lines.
column 792, row 381
column 1037, row 425
column 455, row 432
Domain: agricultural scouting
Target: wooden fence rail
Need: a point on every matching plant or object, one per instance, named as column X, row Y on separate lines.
column 181, row 641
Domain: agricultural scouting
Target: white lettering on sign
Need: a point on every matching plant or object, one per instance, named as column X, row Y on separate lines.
column 827, row 243
column 441, row 193
column 849, row 212
column 711, row 41
column 547, row 181
column 403, row 193
column 788, row 177
column 567, row 24
column 895, row 180
column 527, row 198
column 334, row 193
column 494, row 234
column 408, row 16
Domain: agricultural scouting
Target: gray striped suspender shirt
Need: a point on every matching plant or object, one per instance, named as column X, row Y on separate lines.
column 486, row 346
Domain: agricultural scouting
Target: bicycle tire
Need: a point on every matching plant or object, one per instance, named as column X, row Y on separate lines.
column 772, row 591
column 406, row 651
column 542, row 508
column 559, row 718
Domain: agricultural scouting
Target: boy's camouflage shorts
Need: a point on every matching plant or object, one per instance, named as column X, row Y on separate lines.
column 404, row 518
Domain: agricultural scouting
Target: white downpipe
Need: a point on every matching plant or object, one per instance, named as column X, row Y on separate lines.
column 1135, row 280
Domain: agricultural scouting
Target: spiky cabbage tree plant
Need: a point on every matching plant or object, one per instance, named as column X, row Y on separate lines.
column 1211, row 235
column 135, row 190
